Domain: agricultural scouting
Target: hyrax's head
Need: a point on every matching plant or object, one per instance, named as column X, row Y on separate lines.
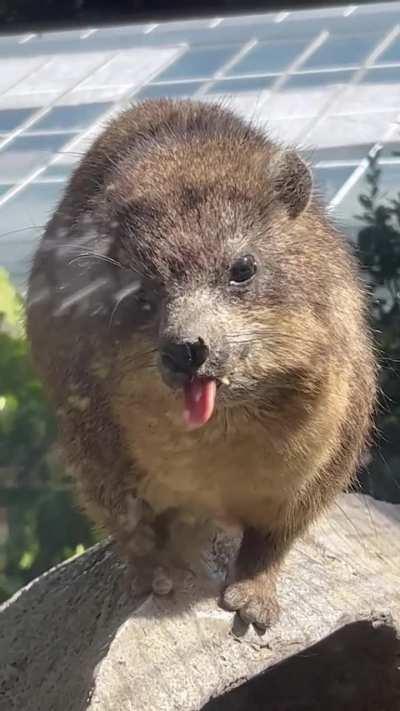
column 214, row 226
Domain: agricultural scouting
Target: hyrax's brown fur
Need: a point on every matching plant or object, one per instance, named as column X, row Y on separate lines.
column 140, row 247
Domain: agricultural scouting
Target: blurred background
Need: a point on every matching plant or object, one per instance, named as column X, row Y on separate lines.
column 326, row 79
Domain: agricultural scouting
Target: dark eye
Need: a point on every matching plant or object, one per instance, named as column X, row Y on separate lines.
column 243, row 269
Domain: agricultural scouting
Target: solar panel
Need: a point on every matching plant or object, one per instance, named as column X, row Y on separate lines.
column 327, row 79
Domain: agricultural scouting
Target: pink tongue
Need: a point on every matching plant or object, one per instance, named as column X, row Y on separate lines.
column 199, row 401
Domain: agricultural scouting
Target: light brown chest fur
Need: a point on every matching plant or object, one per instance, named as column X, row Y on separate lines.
column 236, row 468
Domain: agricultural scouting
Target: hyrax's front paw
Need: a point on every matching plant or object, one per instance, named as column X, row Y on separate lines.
column 142, row 539
column 137, row 536
column 163, row 580
column 156, row 574
column 255, row 603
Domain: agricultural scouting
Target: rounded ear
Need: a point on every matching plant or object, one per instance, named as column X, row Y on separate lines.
column 292, row 182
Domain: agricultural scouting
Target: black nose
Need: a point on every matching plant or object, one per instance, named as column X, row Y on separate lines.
column 184, row 357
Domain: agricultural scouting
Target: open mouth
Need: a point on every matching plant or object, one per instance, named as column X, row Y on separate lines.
column 200, row 395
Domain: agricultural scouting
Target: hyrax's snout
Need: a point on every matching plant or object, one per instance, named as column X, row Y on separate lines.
column 183, row 359
column 192, row 340
column 185, row 364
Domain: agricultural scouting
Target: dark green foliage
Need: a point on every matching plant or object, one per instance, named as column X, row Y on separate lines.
column 379, row 252
column 39, row 523
column 26, row 426
column 45, row 528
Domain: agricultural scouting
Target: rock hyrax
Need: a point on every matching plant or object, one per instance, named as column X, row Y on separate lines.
column 201, row 327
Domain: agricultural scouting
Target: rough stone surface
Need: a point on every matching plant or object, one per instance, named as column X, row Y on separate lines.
column 75, row 640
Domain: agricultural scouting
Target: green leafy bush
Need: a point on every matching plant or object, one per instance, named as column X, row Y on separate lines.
column 39, row 522
column 379, row 252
